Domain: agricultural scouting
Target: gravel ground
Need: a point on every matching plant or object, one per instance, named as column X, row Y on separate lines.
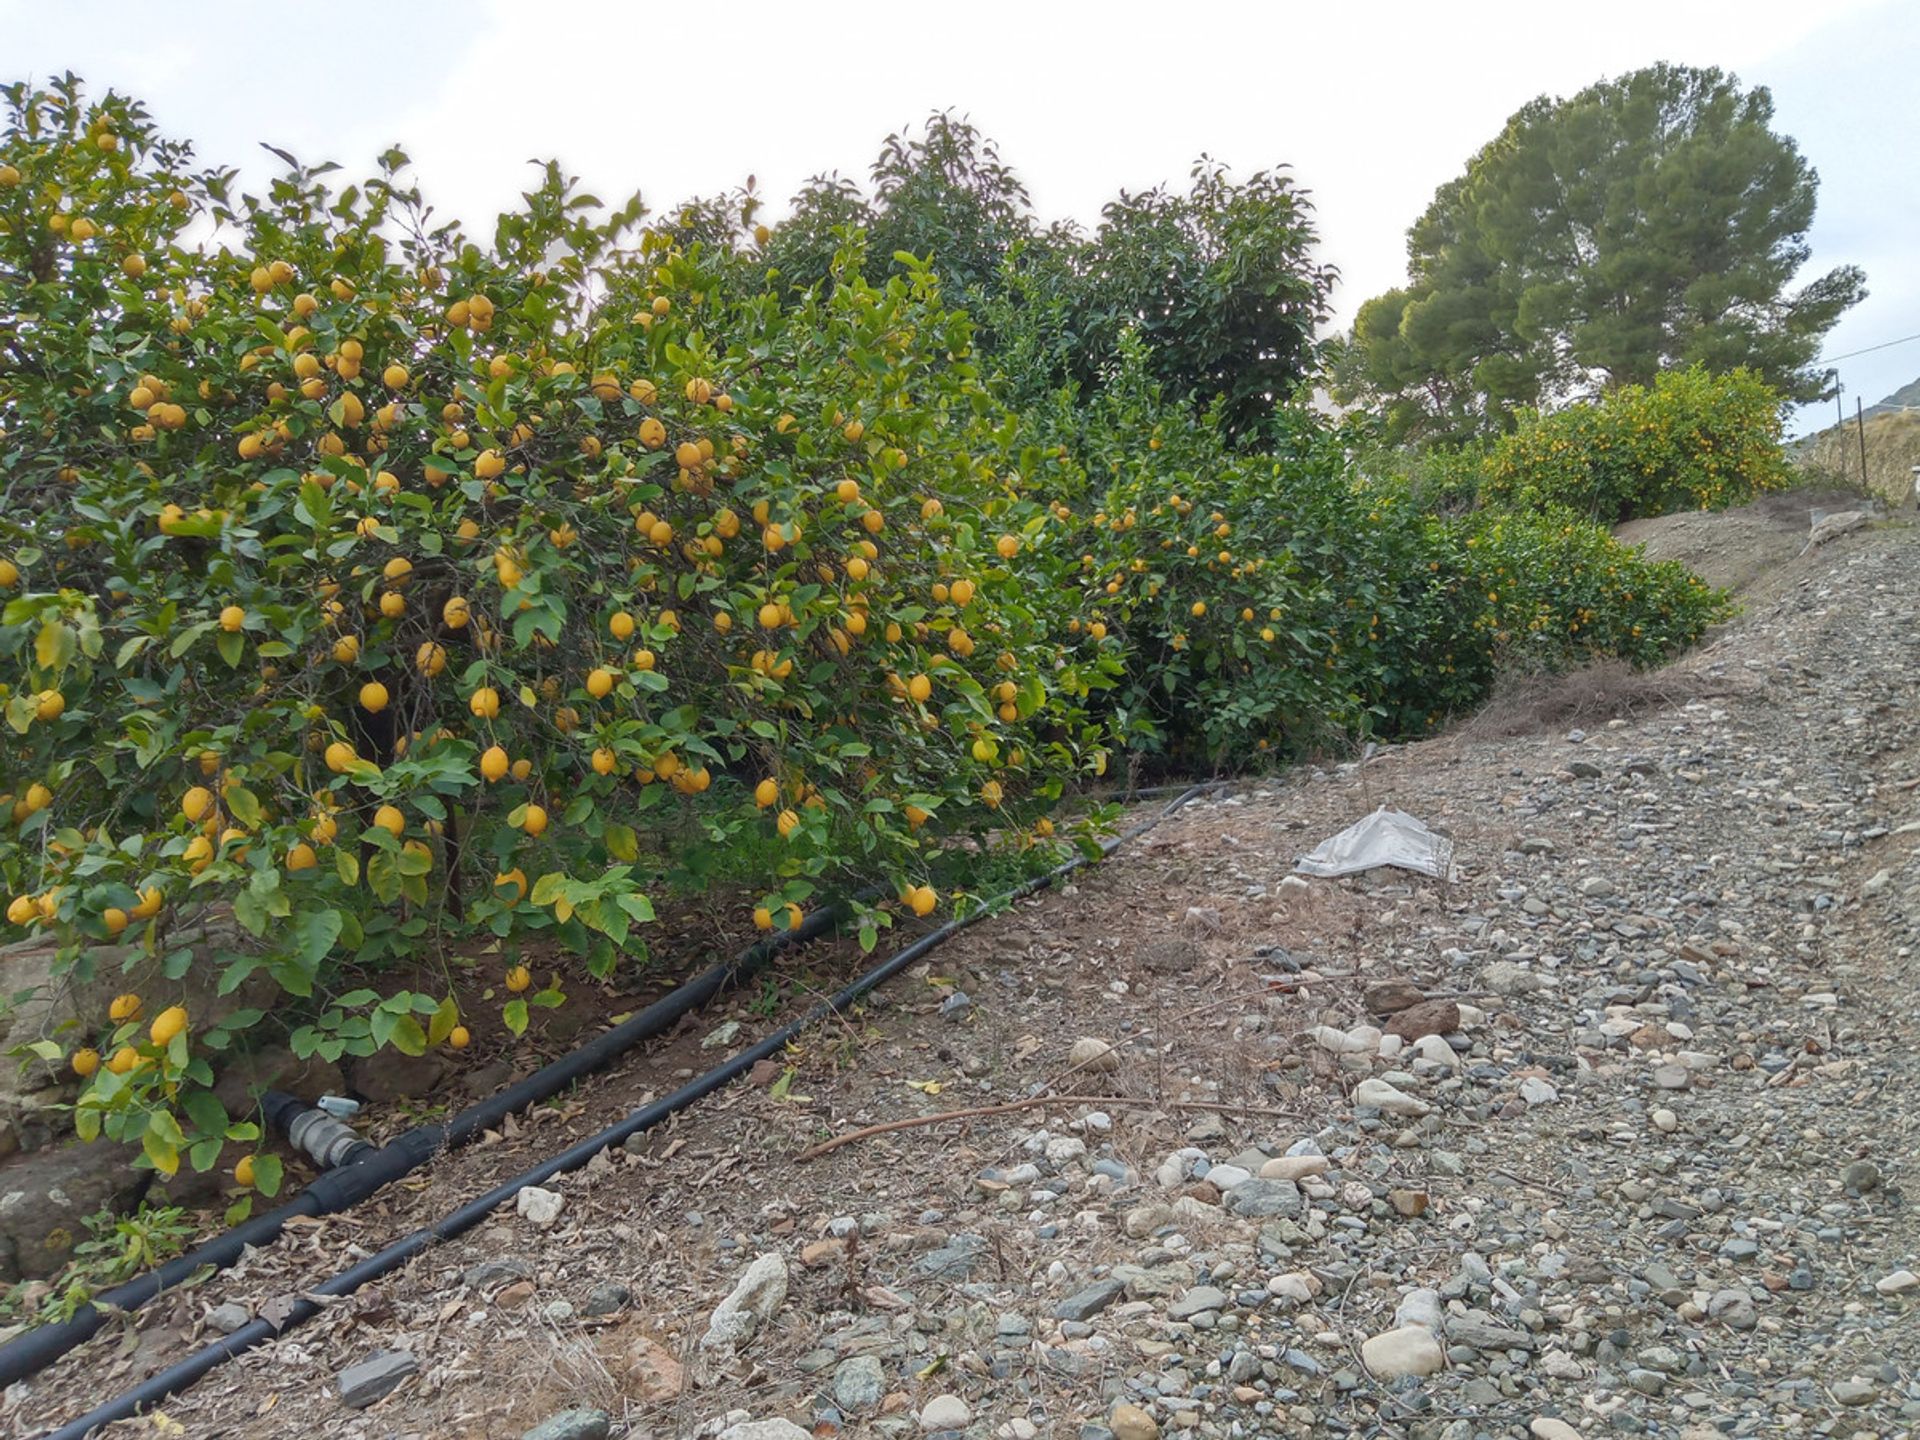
column 1609, row 1135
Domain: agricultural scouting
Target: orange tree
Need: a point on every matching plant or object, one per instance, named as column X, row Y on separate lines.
column 381, row 584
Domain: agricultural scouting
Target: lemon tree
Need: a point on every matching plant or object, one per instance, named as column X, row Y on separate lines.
column 411, row 595
column 384, row 586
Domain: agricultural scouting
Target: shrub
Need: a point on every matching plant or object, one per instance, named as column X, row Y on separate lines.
column 1690, row 441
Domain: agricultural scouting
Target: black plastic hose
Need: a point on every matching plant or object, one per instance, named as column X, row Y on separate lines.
column 178, row 1377
column 340, row 1189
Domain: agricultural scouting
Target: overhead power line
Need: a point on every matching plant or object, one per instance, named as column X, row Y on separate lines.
column 1886, row 345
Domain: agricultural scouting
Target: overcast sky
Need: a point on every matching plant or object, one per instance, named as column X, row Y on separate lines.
column 1373, row 105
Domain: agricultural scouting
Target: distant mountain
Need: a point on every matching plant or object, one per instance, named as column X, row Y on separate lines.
column 1907, row 397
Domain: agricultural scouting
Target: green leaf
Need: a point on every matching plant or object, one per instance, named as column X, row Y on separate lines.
column 407, row 1037
column 267, row 1174
column 164, row 1154
column 243, row 804
column 443, row 1021
column 383, row 877
column 314, row 933
column 514, row 1013
column 232, row 646
column 53, row 647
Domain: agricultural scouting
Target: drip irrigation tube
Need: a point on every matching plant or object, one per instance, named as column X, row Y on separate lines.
column 303, row 1308
column 347, row 1185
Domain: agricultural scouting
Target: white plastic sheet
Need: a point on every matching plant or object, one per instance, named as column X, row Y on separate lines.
column 1386, row 837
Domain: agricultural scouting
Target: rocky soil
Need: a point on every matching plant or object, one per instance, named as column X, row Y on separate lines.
column 1612, row 1134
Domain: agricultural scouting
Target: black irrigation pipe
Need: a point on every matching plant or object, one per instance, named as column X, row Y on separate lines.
column 335, row 1190
column 304, row 1307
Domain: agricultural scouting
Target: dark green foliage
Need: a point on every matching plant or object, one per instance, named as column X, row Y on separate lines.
column 1219, row 280
column 1650, row 222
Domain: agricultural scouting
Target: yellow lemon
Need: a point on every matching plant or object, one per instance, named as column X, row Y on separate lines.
column 168, row 1023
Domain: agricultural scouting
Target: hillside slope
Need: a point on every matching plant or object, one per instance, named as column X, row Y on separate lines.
column 1641, row 1166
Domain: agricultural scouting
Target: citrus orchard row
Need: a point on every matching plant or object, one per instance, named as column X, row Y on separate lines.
column 392, row 589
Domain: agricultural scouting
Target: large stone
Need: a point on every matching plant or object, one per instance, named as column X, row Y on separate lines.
column 859, row 1384
column 45, row 1196
column 945, row 1412
column 651, row 1371
column 1093, row 1056
column 1508, row 977
column 375, row 1377
column 1130, row 1422
column 1407, row 1350
column 1387, row 997
column 276, row 1067
column 387, row 1075
column 1831, row 527
column 73, row 1003
column 1379, row 1095
column 753, row 1302
column 1087, row 1303
column 1261, row 1199
column 765, row 1430
column 1483, row 1332
column 1294, row 1167
column 1197, row 1300
column 954, row 1260
column 1430, row 1017
column 572, row 1425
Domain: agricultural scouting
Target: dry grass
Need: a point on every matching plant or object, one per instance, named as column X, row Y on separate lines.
column 1523, row 704
column 1893, row 449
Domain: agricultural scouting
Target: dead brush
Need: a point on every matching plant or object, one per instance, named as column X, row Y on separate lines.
column 1529, row 704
